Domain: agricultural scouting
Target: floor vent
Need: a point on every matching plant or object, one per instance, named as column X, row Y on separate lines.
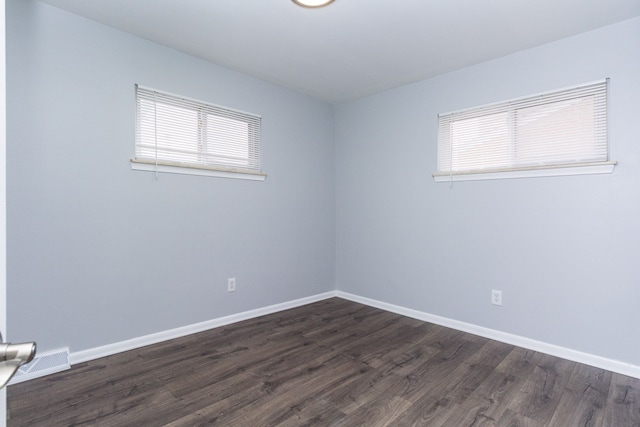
column 43, row 364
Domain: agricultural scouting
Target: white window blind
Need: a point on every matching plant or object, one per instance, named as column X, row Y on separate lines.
column 180, row 132
column 556, row 130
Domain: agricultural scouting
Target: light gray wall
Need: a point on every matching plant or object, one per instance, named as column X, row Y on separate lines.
column 564, row 251
column 98, row 253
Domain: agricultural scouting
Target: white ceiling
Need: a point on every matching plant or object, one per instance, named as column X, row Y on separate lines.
column 351, row 48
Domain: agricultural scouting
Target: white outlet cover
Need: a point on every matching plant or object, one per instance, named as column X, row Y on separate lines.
column 496, row 297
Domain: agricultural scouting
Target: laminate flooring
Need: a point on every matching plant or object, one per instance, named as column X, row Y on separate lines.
column 331, row 363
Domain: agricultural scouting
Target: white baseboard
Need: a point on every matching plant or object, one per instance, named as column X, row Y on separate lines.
column 110, row 349
column 554, row 350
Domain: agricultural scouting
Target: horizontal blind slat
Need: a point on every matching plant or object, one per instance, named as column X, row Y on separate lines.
column 554, row 128
column 174, row 128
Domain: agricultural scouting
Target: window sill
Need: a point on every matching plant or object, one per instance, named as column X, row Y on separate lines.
column 168, row 167
column 559, row 170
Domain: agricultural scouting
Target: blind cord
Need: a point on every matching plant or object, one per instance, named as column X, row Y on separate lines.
column 450, row 159
column 155, row 129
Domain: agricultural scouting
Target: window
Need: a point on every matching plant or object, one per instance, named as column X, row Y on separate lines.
column 557, row 133
column 181, row 135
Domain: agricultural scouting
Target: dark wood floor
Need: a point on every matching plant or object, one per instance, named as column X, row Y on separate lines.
column 334, row 362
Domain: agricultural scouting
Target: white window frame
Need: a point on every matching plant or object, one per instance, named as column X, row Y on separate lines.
column 177, row 134
column 500, row 118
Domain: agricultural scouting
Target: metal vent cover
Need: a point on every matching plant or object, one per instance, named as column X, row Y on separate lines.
column 43, row 364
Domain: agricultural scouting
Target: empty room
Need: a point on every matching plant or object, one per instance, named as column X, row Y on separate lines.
column 365, row 212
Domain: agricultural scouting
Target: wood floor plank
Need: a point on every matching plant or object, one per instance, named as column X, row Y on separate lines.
column 623, row 402
column 316, row 414
column 585, row 397
column 515, row 419
column 572, row 409
column 209, row 406
column 520, row 362
column 330, row 363
column 492, row 398
column 301, row 391
column 472, row 373
column 544, row 387
column 487, row 403
column 428, row 410
column 379, row 412
column 437, row 369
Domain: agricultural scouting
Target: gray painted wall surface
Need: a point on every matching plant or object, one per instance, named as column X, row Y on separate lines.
column 565, row 251
column 98, row 253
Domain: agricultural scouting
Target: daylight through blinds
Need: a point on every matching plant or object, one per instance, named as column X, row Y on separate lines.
column 566, row 127
column 180, row 131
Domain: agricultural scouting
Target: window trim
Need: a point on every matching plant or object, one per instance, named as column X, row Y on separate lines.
column 529, row 172
column 526, row 171
column 189, row 169
column 196, row 168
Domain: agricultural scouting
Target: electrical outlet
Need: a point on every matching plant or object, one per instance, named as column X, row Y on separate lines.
column 496, row 297
column 231, row 284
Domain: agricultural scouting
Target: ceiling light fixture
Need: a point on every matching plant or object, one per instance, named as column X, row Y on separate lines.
column 312, row 3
